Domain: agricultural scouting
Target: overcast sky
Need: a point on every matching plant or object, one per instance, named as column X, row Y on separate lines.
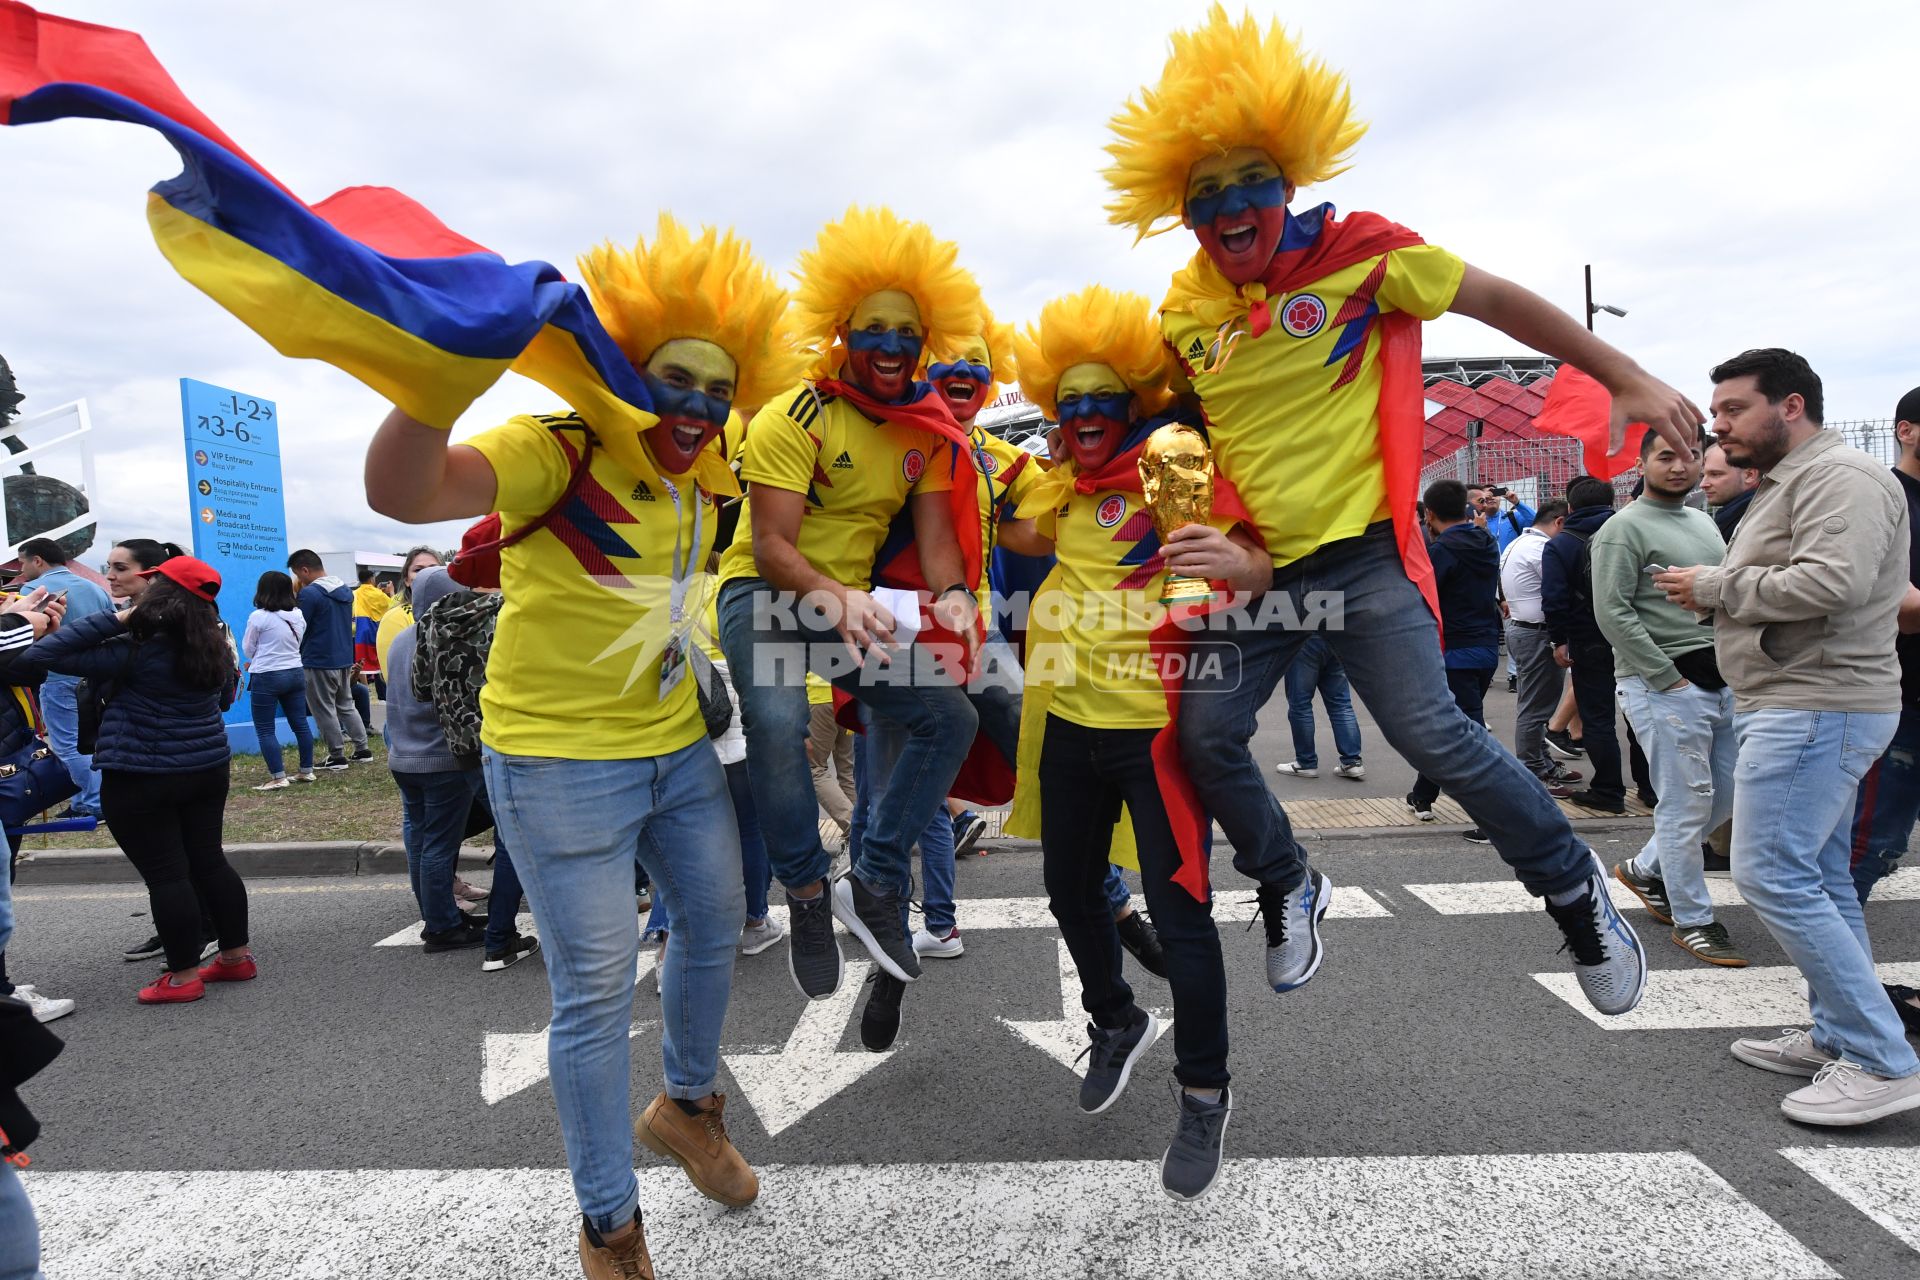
column 1738, row 174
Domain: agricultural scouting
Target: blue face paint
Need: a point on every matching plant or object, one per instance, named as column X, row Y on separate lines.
column 685, row 402
column 1204, row 211
column 888, row 342
column 1113, row 404
column 960, row 369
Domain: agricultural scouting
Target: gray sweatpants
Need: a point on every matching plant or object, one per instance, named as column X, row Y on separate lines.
column 330, row 698
column 1539, row 685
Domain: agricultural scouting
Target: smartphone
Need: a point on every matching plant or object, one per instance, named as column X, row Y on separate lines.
column 1656, row 568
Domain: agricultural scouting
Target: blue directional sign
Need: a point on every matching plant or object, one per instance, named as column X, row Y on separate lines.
column 239, row 513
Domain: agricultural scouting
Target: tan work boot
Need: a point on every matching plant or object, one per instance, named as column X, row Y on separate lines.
column 700, row 1146
column 625, row 1259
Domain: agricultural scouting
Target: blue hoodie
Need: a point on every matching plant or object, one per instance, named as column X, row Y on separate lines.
column 327, row 605
column 1570, row 620
column 1466, row 577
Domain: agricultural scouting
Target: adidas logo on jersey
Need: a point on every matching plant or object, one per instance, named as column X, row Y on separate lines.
column 641, row 493
column 1196, row 350
column 844, row 460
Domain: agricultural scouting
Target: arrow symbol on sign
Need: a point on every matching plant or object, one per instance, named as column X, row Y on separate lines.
column 1065, row 1038
column 513, row 1062
column 784, row 1085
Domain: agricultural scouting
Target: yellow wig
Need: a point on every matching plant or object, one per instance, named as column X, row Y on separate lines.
column 999, row 339
column 1094, row 326
column 711, row 288
column 869, row 251
column 1226, row 85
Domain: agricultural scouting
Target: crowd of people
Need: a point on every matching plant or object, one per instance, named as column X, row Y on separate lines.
column 614, row 670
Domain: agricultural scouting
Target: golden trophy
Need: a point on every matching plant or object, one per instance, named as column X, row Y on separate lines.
column 1176, row 478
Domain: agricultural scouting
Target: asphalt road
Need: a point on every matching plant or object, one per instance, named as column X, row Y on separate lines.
column 1426, row 1107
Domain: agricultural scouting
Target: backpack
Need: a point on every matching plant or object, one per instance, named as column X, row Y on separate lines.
column 451, row 643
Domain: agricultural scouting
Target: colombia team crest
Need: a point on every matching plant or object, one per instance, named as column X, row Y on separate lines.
column 913, row 465
column 1304, row 315
column 1111, row 511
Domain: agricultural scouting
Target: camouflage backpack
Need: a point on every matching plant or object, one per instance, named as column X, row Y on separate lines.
column 450, row 664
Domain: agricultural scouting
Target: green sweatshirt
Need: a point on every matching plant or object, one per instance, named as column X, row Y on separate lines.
column 1646, row 631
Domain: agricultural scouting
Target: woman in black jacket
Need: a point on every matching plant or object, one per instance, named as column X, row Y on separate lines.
column 167, row 674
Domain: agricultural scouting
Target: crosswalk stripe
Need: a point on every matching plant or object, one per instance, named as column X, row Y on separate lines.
column 1679, row 999
column 983, row 914
column 1454, row 1215
column 1494, row 897
column 1878, row 1181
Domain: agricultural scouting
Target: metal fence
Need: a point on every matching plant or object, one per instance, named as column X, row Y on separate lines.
column 1534, row 469
column 1873, row 435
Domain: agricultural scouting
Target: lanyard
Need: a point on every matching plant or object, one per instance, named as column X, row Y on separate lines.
column 977, row 438
column 682, row 569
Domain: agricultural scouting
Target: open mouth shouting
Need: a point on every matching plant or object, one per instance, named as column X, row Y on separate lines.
column 1240, row 225
column 964, row 386
column 1094, row 426
column 883, row 362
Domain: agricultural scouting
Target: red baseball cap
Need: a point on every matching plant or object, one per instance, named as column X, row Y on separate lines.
column 193, row 575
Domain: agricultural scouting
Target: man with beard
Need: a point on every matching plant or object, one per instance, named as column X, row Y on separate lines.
column 1805, row 612
column 1728, row 488
column 1670, row 688
column 1299, row 336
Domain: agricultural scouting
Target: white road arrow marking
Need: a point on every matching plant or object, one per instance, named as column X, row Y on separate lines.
column 514, row 1061
column 1679, row 999
column 784, row 1085
column 1065, row 1038
column 1498, row 897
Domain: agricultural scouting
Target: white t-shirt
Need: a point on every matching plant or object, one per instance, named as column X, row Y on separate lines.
column 272, row 641
column 1520, row 576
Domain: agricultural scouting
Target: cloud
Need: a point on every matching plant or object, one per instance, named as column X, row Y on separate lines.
column 1737, row 177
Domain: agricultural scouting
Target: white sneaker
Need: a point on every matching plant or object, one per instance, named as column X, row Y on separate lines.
column 45, row 1008
column 1357, row 772
column 1844, row 1093
column 1293, row 770
column 1791, row 1053
column 755, row 938
column 937, row 948
column 308, row 776
column 276, row 785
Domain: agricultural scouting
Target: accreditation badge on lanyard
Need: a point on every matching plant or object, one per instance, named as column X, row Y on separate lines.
column 673, row 658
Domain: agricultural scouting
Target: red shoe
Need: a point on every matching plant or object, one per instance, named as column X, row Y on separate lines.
column 221, row 970
column 164, row 990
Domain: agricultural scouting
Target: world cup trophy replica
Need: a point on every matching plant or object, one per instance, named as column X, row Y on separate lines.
column 1176, row 478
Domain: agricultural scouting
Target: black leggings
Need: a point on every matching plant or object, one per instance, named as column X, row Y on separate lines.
column 1085, row 774
column 168, row 825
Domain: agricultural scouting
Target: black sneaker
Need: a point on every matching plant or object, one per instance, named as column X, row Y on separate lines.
column 457, row 938
column 1420, row 809
column 813, row 953
column 1513, row 684
column 1591, row 799
column 1909, row 1013
column 877, row 920
column 1110, row 1059
column 518, row 948
column 880, row 1019
column 1475, row 835
column 334, row 764
column 1714, row 864
column 1137, row 935
column 1561, row 743
column 1651, row 890
column 146, row 950
column 967, row 830
column 360, row 756
column 1192, row 1162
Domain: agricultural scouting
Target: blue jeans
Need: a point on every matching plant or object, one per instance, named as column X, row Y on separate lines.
column 285, row 693
column 876, row 753
column 769, row 648
column 1887, row 806
column 61, row 710
column 574, row 826
column 1315, row 668
column 755, row 876
column 19, row 1233
column 433, row 821
column 1691, row 753
column 1794, row 788
column 503, row 896
column 1385, row 636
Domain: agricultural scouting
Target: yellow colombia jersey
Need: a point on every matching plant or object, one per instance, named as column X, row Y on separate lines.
column 1294, row 414
column 1106, row 602
column 995, row 460
column 575, row 667
column 856, row 474
column 370, row 602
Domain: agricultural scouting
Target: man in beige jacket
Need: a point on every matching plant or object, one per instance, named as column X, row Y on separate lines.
column 1804, row 610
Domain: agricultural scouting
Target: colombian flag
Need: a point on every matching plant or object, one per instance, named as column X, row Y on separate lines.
column 367, row 280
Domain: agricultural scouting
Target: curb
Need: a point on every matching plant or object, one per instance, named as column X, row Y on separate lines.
column 252, row 861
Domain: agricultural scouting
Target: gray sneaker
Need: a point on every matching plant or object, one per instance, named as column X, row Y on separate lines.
column 755, row 938
column 1111, row 1057
column 876, row 920
column 813, row 953
column 1791, row 1053
column 1192, row 1162
column 1293, row 929
column 1608, row 959
column 1844, row 1093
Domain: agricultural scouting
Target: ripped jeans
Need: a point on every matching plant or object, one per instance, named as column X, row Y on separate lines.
column 1691, row 749
column 1886, row 806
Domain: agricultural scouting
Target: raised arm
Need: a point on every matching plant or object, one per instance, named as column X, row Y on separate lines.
column 414, row 475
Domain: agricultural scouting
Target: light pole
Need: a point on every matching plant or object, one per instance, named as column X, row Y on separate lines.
column 1594, row 307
